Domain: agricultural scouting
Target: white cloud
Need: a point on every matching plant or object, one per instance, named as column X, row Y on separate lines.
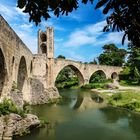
column 6, row 11
column 12, row 13
column 74, row 56
column 19, row 22
column 29, row 40
column 93, row 35
column 26, row 27
column 58, row 39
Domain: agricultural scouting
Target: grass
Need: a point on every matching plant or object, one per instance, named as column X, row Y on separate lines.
column 67, row 84
column 99, row 85
column 129, row 83
column 94, row 85
column 128, row 100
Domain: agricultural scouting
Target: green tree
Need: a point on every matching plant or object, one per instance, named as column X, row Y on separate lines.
column 66, row 78
column 93, row 62
column 123, row 15
column 61, row 56
column 134, row 59
column 98, row 77
column 112, row 56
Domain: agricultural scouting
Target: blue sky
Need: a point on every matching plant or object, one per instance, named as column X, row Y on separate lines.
column 78, row 36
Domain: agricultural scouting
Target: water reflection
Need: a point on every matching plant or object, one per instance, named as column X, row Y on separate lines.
column 84, row 117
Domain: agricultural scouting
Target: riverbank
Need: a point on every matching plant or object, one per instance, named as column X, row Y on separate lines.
column 15, row 120
column 15, row 125
column 123, row 97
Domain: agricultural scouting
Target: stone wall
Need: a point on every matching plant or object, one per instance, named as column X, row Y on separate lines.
column 12, row 48
column 35, row 75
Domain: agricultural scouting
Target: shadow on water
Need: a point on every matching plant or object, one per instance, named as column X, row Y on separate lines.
column 96, row 98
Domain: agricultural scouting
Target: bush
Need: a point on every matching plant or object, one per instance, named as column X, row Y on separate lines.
column 129, row 83
column 94, row 85
column 7, row 107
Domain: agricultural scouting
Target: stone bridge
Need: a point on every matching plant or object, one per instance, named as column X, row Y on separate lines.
column 34, row 75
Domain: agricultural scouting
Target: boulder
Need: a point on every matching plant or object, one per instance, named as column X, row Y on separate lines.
column 111, row 86
column 45, row 96
column 13, row 124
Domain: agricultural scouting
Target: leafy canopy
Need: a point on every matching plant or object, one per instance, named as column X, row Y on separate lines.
column 123, row 15
column 61, row 56
column 112, row 56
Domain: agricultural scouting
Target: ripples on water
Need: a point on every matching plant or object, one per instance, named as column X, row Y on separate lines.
column 84, row 117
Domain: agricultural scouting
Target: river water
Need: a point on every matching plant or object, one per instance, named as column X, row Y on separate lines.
column 84, row 117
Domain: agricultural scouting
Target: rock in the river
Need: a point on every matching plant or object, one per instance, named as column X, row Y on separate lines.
column 44, row 97
column 14, row 124
column 111, row 86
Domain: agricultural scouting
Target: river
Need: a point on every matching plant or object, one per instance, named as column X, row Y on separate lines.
column 80, row 117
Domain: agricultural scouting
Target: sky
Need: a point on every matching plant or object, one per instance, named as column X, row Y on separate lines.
column 78, row 36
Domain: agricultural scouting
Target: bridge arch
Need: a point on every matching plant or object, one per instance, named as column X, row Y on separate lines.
column 114, row 75
column 3, row 71
column 100, row 73
column 22, row 74
column 77, row 72
column 31, row 67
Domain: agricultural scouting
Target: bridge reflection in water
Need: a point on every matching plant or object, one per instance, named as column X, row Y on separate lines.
column 87, row 101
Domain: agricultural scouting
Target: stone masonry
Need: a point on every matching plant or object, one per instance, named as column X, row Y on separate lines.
column 34, row 75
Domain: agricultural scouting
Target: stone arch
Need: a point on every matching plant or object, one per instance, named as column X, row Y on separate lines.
column 43, row 37
column 114, row 75
column 31, row 67
column 43, row 48
column 13, row 67
column 3, row 71
column 13, row 60
column 46, row 69
column 22, row 74
column 77, row 72
column 100, row 72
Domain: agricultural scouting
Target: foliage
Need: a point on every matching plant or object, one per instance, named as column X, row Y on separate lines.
column 93, row 86
column 128, row 100
column 68, row 84
column 93, row 62
column 112, row 56
column 43, row 8
column 123, row 15
column 131, row 71
column 124, row 75
column 14, row 86
column 129, row 83
column 66, row 78
column 61, row 56
column 7, row 107
column 98, row 76
column 100, row 85
column 137, row 75
column 133, row 59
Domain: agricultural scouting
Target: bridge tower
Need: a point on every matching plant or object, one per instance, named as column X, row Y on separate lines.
column 46, row 42
column 46, row 46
